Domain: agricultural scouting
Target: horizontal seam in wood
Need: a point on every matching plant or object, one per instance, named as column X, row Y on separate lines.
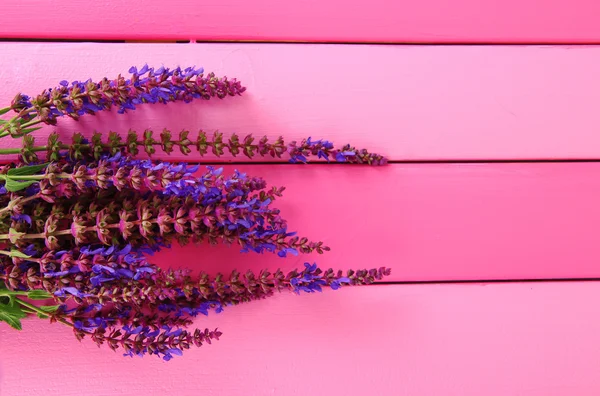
column 475, row 281
column 133, row 40
column 391, row 162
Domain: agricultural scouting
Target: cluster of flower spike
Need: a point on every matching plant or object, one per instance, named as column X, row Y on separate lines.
column 79, row 230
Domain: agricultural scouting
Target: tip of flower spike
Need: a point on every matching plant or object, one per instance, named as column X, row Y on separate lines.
column 325, row 150
column 313, row 278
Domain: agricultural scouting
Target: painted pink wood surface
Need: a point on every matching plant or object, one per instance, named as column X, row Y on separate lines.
column 526, row 339
column 432, row 221
column 434, row 21
column 408, row 102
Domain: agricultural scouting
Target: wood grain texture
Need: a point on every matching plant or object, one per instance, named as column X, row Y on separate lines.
column 408, row 102
column 533, row 339
column 432, row 21
column 431, row 222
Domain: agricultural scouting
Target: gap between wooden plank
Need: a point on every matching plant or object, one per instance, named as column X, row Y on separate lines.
column 434, row 282
column 411, row 103
column 381, row 20
column 314, row 162
column 323, row 42
column 70, row 40
column 495, row 161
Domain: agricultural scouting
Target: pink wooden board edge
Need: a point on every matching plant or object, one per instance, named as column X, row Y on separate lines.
column 428, row 21
column 406, row 102
column 534, row 339
column 430, row 222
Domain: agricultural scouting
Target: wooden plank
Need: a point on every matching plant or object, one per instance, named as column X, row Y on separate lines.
column 432, row 222
column 408, row 102
column 534, row 339
column 434, row 21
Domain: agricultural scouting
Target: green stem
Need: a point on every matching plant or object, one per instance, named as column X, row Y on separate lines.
column 69, row 232
column 30, row 306
column 6, row 151
column 31, row 123
column 21, row 202
column 9, row 254
column 6, row 177
column 9, row 293
column 37, row 236
column 82, row 147
column 39, row 311
column 23, row 177
column 26, row 125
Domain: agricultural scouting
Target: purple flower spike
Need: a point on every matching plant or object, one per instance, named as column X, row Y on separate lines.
column 144, row 86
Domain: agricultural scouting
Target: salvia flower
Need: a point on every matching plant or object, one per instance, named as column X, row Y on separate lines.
column 130, row 218
column 64, row 179
column 115, row 312
column 146, row 85
column 77, row 230
column 203, row 144
column 63, row 273
column 164, row 342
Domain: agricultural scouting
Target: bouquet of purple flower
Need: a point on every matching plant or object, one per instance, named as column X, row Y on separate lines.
column 79, row 225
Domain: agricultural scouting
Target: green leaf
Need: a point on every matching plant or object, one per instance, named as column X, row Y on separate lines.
column 19, row 254
column 42, row 316
column 49, row 308
column 29, row 130
column 12, row 313
column 26, row 170
column 12, row 185
column 4, row 110
column 10, row 306
column 38, row 295
column 13, row 321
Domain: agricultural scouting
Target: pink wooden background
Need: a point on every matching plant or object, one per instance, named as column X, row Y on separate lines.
column 467, row 196
column 412, row 103
column 532, row 339
column 425, row 21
